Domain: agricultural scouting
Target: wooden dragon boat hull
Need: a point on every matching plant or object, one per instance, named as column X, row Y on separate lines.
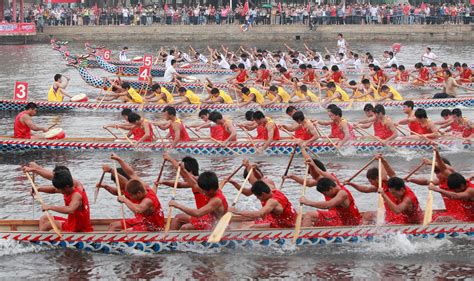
column 25, row 231
column 18, row 105
column 207, row 147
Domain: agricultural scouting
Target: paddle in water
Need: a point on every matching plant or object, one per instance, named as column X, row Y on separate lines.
column 221, row 226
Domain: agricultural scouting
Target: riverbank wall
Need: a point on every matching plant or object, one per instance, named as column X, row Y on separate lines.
column 222, row 34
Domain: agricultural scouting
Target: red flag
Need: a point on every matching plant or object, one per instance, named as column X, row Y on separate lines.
column 246, row 8
column 308, row 8
column 279, row 7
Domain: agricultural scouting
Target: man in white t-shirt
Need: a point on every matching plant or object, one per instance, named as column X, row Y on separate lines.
column 169, row 58
column 171, row 74
column 123, row 54
column 221, row 62
column 428, row 57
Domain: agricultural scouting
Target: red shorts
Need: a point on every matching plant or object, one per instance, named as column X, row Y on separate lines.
column 62, row 224
column 328, row 218
column 202, row 223
column 265, row 220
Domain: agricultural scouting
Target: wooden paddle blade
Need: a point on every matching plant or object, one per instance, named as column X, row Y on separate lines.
column 168, row 220
column 220, row 228
column 380, row 211
column 299, row 219
column 96, row 194
column 429, row 209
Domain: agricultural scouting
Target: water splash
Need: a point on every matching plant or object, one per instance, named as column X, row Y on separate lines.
column 10, row 247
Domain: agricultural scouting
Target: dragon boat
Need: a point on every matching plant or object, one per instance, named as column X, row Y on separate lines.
column 18, row 105
column 205, row 146
column 26, row 231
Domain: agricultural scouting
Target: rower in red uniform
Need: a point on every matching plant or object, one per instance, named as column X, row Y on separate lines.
column 299, row 132
column 340, row 128
column 177, row 130
column 229, row 132
column 306, row 129
column 383, row 126
column 339, row 201
column 251, row 125
column 275, row 205
column 286, row 76
column 462, row 193
column 402, row 200
column 379, row 77
column 76, row 204
column 466, row 74
column 427, row 127
column 216, row 206
column 140, row 129
column 423, row 75
column 264, row 75
column 309, row 75
column 402, row 75
column 241, row 76
column 215, row 131
column 270, row 131
column 413, row 124
column 337, row 76
column 23, row 123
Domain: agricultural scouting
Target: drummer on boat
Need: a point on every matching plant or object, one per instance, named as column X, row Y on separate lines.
column 76, row 204
column 24, row 124
column 57, row 91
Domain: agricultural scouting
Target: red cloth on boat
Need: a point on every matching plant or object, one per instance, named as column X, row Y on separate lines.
column 20, row 130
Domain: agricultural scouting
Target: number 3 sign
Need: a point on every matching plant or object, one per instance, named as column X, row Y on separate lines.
column 21, row 91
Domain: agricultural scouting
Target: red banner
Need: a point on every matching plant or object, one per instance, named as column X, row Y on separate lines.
column 17, row 28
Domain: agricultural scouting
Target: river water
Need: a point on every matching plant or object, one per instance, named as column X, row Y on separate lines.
column 393, row 257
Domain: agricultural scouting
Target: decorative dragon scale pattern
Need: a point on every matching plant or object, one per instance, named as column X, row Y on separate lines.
column 209, row 148
column 157, row 242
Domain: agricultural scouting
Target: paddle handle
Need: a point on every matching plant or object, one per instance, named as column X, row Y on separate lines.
column 119, row 194
column 242, row 187
column 112, row 133
column 170, row 209
column 287, row 168
column 299, row 217
column 380, row 206
column 414, row 170
column 429, row 203
column 40, row 200
column 155, row 187
column 361, row 169
column 96, row 193
column 329, row 139
column 230, row 176
column 125, row 135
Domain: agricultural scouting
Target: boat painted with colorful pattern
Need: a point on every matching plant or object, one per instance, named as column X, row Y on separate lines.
column 239, row 147
column 25, row 231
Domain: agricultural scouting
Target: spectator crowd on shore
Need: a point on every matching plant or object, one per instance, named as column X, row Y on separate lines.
column 62, row 15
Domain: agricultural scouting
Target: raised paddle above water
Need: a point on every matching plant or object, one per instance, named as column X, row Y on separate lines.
column 221, row 226
column 360, row 170
column 155, row 186
column 287, row 168
column 119, row 194
column 37, row 196
column 221, row 185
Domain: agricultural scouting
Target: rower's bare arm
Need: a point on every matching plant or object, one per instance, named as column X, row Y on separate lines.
column 28, row 122
column 246, row 191
column 467, row 194
column 48, row 189
column 76, row 202
column 362, row 188
column 210, row 207
column 387, row 168
column 37, row 169
column 406, row 204
column 267, row 209
column 334, row 202
column 111, row 189
column 145, row 205
column 125, row 166
column 419, row 181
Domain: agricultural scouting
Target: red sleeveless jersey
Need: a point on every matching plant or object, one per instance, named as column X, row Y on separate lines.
column 468, row 206
column 265, row 75
column 139, row 132
column 347, row 215
column 424, row 74
column 216, row 132
column 79, row 220
column 183, row 133
column 466, row 75
column 336, row 76
column 413, row 216
column 20, row 130
column 390, row 216
column 264, row 133
column 337, row 132
column 382, row 131
column 226, row 135
column 155, row 220
column 242, row 76
column 302, row 133
column 414, row 127
column 311, row 75
column 288, row 217
column 453, row 206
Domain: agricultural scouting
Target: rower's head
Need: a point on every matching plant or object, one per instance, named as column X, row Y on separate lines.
column 62, row 180
column 420, row 113
column 126, row 85
column 334, row 68
column 125, row 49
column 259, row 117
column 385, row 89
column 372, row 176
column 325, row 69
column 233, row 67
column 261, row 190
column 31, row 108
column 136, row 190
column 335, row 113
column 366, row 83
column 173, row 62
column 401, row 68
column 273, row 89
column 303, row 67
column 369, row 109
column 327, row 187
column 254, row 68
column 241, row 66
column 191, row 165
column 331, row 86
column 465, row 66
column 57, row 78
column 397, row 187
column 433, row 66
column 379, row 110
column 418, row 66
column 215, row 92
column 169, row 112
column 182, row 91
column 298, row 116
column 456, row 182
column 448, row 73
column 208, row 182
column 428, row 50
column 327, row 57
column 216, row 117
column 408, row 106
column 394, row 67
column 282, row 70
column 446, row 114
column 249, row 115
column 370, row 58
column 125, row 112
column 204, row 114
column 390, row 54
column 339, row 36
column 444, row 66
column 156, row 88
column 457, row 113
column 457, row 65
column 341, row 55
column 290, row 110
column 303, row 89
column 376, row 68
column 262, row 66
column 134, row 118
